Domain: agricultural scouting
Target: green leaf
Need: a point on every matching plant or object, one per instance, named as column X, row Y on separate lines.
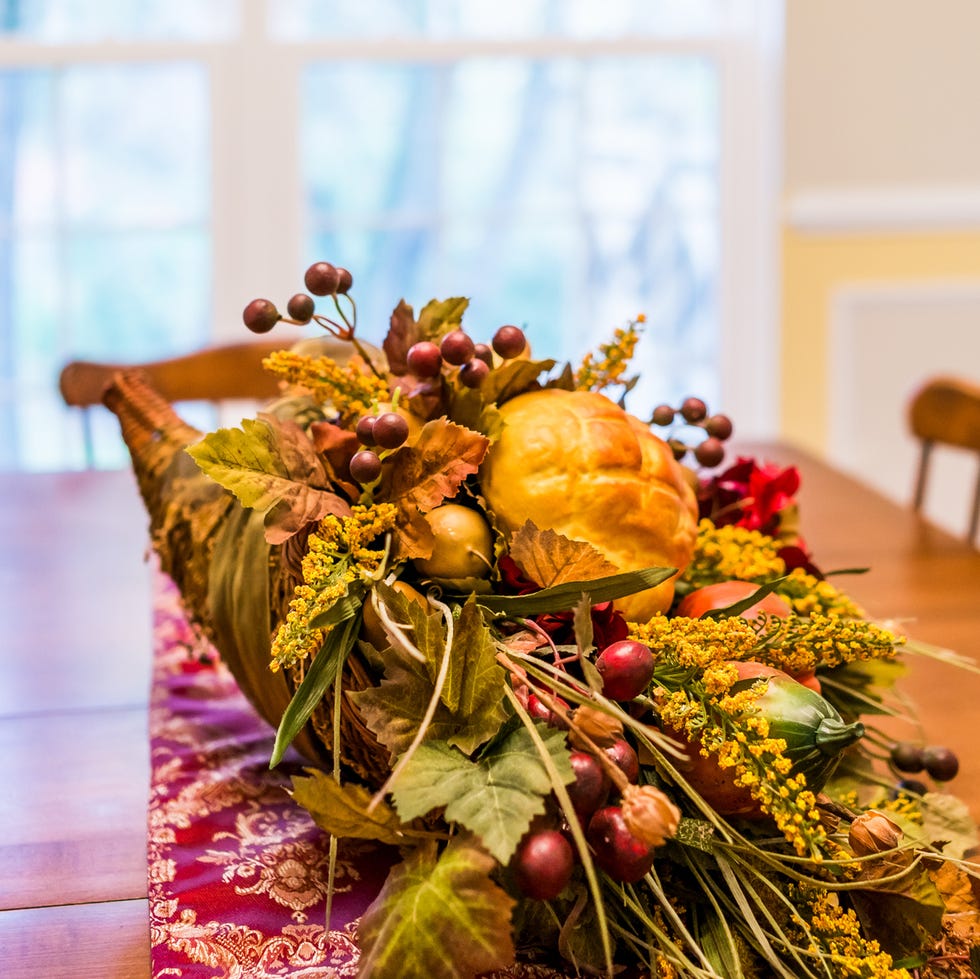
column 440, row 918
column 512, row 378
column 568, row 594
column 495, row 797
column 471, row 709
column 342, row 810
column 737, row 608
column 272, row 466
column 346, row 607
column 320, row 677
column 698, row 833
column 441, row 316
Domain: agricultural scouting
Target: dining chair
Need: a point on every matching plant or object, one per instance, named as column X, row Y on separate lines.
column 226, row 372
column 946, row 411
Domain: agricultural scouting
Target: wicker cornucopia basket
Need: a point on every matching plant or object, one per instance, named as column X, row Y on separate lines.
column 235, row 586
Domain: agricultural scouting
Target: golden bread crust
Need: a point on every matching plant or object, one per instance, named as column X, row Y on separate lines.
column 576, row 463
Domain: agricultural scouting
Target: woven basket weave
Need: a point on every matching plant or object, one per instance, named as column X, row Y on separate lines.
column 211, row 547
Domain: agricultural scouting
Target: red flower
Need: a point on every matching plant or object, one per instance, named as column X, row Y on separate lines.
column 749, row 495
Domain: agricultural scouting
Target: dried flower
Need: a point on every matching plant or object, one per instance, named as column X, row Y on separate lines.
column 598, row 726
column 649, row 814
column 873, row 832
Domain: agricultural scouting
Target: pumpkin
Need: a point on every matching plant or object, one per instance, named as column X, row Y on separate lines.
column 576, row 463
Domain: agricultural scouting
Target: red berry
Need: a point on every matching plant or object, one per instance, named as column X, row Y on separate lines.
column 662, row 415
column 482, row 352
column 321, row 279
column 710, row 452
column 300, row 307
column 941, row 763
column 694, row 410
column 260, row 315
column 591, row 785
column 364, row 430
column 390, row 430
column 626, row 668
column 474, row 372
column 537, row 709
column 617, row 851
column 621, row 754
column 907, row 757
column 423, row 359
column 456, row 348
column 344, row 281
column 509, row 342
column 678, row 448
column 719, row 426
column 543, row 864
column 365, row 466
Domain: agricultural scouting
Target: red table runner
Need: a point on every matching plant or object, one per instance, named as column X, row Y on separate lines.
column 237, row 870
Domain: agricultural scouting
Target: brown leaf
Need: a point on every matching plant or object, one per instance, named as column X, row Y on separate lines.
column 334, row 443
column 402, row 333
column 423, row 475
column 956, row 887
column 549, row 558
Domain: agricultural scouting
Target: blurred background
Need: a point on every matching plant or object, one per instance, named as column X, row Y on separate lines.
column 790, row 192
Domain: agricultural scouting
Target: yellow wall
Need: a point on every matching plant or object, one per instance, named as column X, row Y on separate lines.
column 815, row 266
column 881, row 102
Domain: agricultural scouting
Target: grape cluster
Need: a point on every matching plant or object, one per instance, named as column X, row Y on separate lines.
column 321, row 279
column 389, row 430
column 545, row 861
column 693, row 413
column 939, row 762
column 426, row 359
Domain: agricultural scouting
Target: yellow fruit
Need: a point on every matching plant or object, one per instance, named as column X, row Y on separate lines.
column 463, row 544
column 576, row 463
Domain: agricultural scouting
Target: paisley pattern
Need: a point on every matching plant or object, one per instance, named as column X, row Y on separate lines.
column 236, row 870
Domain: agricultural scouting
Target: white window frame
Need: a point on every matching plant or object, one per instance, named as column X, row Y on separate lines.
column 258, row 229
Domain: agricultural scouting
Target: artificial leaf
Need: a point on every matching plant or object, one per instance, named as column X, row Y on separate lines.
column 424, row 474
column 467, row 407
column 271, row 465
column 441, row 316
column 443, row 918
column 558, row 598
column 496, row 797
column 394, row 709
column 548, row 558
column 342, row 810
column 321, row 675
column 402, row 333
column 584, row 631
column 512, row 378
column 903, row 926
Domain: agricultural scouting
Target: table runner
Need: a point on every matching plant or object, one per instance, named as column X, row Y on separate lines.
column 236, row 870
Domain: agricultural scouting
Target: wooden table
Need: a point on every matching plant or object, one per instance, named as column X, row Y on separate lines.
column 75, row 660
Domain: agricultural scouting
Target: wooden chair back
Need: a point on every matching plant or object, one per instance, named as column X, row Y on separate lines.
column 946, row 411
column 229, row 372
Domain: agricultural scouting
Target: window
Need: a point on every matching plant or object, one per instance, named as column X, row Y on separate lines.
column 566, row 165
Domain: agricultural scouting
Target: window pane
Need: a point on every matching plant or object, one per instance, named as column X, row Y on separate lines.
column 65, row 21
column 300, row 20
column 104, row 237
column 565, row 195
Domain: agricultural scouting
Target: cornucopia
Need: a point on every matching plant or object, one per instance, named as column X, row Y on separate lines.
column 613, row 714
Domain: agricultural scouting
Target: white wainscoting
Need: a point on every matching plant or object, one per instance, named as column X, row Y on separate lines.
column 885, row 340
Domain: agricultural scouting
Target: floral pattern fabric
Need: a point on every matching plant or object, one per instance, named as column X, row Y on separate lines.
column 237, row 870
